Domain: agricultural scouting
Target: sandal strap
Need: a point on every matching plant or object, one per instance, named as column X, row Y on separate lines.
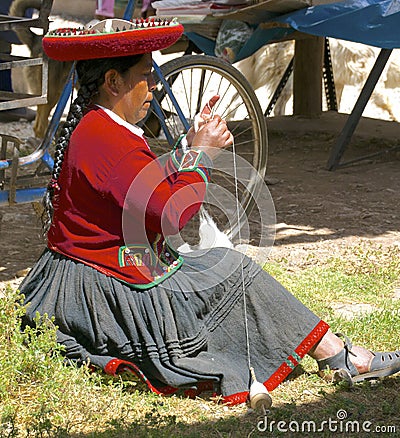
column 340, row 360
column 347, row 343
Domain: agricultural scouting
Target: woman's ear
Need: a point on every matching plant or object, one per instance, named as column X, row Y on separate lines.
column 112, row 82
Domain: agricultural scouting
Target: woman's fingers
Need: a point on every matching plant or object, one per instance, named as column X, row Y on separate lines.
column 222, row 128
column 207, row 110
column 214, row 133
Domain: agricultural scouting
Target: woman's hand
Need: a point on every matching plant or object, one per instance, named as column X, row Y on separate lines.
column 212, row 133
column 212, row 136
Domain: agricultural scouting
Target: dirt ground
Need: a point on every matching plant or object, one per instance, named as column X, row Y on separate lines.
column 319, row 212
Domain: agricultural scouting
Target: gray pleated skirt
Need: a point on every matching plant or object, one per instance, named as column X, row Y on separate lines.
column 190, row 328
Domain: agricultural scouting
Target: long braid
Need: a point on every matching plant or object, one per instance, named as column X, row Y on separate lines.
column 75, row 114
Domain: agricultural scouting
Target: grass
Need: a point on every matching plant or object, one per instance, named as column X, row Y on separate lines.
column 42, row 397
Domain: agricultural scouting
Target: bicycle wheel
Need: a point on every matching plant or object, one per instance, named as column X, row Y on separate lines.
column 193, row 80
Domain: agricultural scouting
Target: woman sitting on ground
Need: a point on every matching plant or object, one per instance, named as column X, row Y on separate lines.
column 120, row 296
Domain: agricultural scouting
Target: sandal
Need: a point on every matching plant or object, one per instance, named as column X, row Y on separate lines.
column 382, row 365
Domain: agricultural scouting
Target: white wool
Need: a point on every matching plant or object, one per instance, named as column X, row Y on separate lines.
column 210, row 235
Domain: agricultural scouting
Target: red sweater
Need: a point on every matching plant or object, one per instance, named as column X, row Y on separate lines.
column 116, row 201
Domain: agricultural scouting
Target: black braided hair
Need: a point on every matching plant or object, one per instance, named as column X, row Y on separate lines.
column 91, row 74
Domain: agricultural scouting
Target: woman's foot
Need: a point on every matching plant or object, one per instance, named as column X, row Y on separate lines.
column 361, row 358
column 339, row 360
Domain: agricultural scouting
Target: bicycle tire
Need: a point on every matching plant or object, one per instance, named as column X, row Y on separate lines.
column 193, row 79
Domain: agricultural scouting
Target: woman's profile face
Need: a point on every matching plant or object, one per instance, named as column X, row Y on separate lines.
column 136, row 91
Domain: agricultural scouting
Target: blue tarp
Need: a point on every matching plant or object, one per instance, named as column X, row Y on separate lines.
column 376, row 23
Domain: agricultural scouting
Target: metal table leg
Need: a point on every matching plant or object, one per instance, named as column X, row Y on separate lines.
column 352, row 121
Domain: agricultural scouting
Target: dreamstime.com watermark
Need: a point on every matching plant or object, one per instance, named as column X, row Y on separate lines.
column 340, row 424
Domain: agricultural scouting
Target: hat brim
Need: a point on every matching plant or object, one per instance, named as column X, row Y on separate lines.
column 79, row 44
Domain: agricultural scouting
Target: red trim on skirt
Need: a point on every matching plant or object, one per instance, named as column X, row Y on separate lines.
column 117, row 366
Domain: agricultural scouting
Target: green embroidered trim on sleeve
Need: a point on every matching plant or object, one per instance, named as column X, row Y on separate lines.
column 175, row 159
column 190, row 161
column 200, row 171
column 178, row 142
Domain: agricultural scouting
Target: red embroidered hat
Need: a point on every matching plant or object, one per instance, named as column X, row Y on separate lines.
column 111, row 38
